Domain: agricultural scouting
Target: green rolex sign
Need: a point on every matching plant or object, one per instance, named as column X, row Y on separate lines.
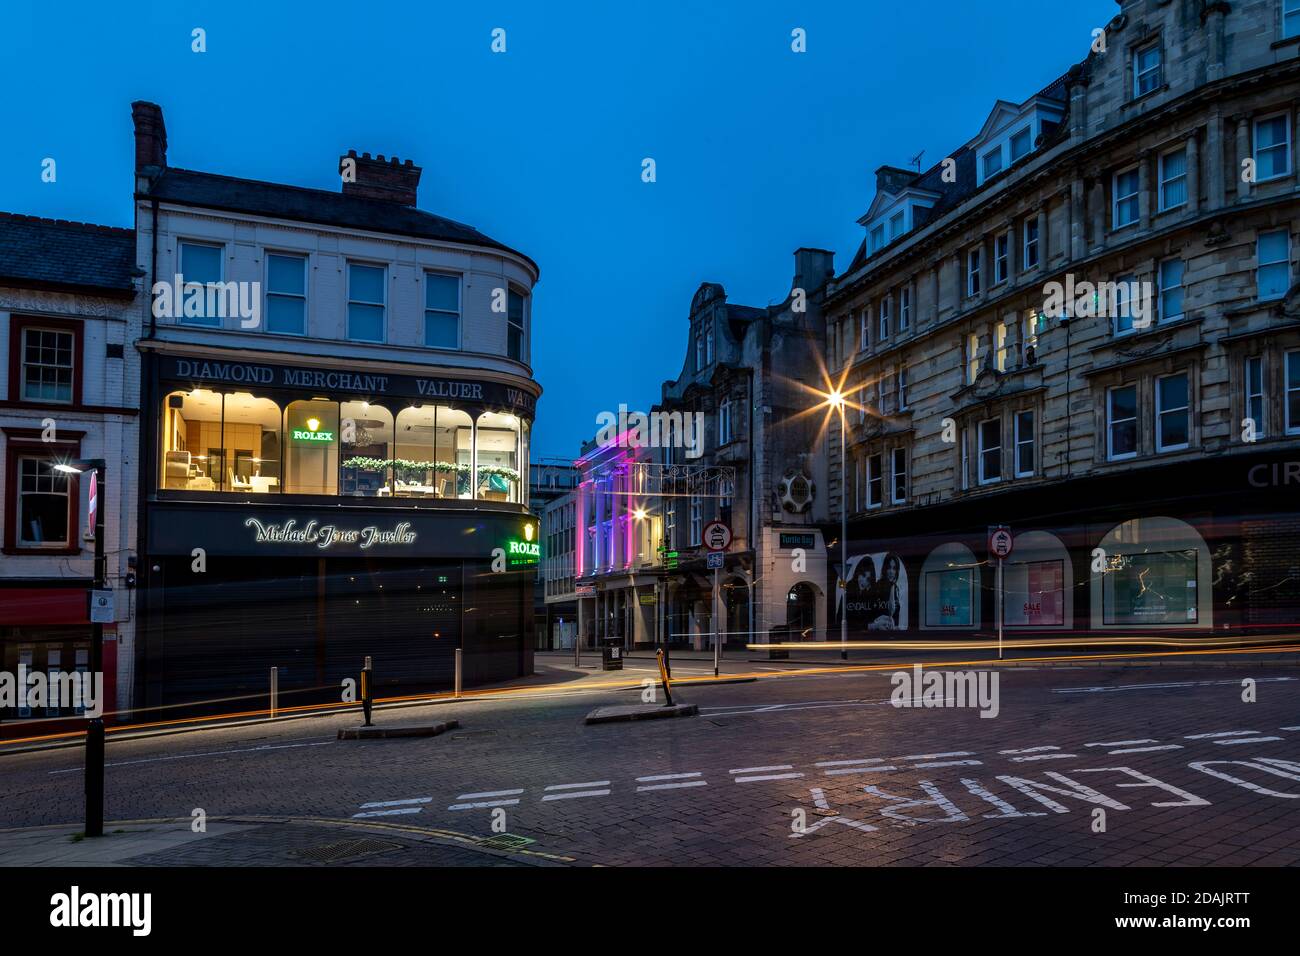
column 311, row 432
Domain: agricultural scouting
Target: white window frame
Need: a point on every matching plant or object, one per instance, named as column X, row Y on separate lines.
column 1117, row 199
column 904, row 308
column 902, row 388
column 1021, row 442
column 897, row 456
column 1259, row 396
column 1139, row 74
column 73, row 519
column 1261, row 265
column 1112, row 422
column 1001, row 258
column 963, row 440
column 23, row 363
column 1291, row 12
column 1031, row 243
column 204, row 321
column 859, row 482
column 971, row 355
column 1292, row 427
column 883, row 311
column 1284, row 146
column 268, row 293
column 1000, row 346
column 985, row 173
column 1164, row 289
column 460, row 310
column 1166, row 180
column 1028, row 133
column 973, row 264
column 876, row 481
column 900, row 218
column 877, row 237
column 347, row 319
column 724, row 423
column 696, row 521
column 1124, row 285
column 864, row 334
column 982, row 451
column 1161, row 412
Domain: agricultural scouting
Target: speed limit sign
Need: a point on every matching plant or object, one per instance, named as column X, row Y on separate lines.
column 1000, row 541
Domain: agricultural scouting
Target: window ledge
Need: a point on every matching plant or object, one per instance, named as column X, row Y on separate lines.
column 1288, row 41
column 41, row 552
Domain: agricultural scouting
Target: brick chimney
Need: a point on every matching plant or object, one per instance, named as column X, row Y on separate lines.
column 150, row 138
column 813, row 268
column 387, row 180
column 892, row 180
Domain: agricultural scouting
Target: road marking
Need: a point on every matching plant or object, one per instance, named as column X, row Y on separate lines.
column 674, row 786
column 385, row 813
column 579, row 786
column 782, row 766
column 1033, row 757
column 948, row 763
column 668, row 776
column 483, row 805
column 770, row 776
column 1030, row 750
column 208, row 753
column 1245, row 740
column 1162, row 686
column 955, row 753
column 1123, row 743
column 577, row 794
column 872, row 769
column 1145, row 750
column 763, row 773
column 490, row 793
column 846, row 763
column 396, row 803
column 1289, row 728
column 1222, row 733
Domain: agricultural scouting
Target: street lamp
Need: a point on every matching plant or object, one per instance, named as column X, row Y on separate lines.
column 95, row 728
column 836, row 400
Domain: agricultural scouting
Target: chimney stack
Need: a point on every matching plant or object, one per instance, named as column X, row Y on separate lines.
column 150, row 138
column 813, row 268
column 386, row 180
column 892, row 180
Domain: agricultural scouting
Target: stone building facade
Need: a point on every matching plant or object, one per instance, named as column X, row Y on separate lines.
column 1083, row 324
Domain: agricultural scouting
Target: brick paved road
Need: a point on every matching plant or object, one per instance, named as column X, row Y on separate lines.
column 1184, row 771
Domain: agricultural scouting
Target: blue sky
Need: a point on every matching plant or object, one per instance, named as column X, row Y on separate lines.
column 758, row 150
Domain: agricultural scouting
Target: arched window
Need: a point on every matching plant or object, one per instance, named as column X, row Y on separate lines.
column 499, row 456
column 950, row 588
column 311, row 447
column 1038, row 583
column 366, row 439
column 1157, row 574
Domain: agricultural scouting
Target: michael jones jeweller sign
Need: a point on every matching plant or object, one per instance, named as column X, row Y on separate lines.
column 325, row 535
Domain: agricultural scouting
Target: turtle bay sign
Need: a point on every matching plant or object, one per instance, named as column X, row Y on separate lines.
column 326, row 535
column 198, row 372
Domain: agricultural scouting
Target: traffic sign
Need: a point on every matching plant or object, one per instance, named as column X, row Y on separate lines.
column 714, row 559
column 717, row 536
column 1000, row 540
column 92, row 504
column 101, row 607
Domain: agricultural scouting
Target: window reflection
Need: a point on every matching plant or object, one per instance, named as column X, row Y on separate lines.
column 432, row 453
column 366, row 440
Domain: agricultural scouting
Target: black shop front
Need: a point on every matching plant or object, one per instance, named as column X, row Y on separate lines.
column 303, row 517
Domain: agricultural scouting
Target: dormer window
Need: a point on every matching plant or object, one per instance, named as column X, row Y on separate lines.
column 877, row 238
column 992, row 163
column 896, row 225
column 1021, row 144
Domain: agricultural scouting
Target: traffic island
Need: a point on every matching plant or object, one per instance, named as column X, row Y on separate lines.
column 610, row 715
column 397, row 730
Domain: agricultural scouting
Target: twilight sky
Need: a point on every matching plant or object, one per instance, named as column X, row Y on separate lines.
column 758, row 149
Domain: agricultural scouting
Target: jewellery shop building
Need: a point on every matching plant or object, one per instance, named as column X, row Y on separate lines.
column 304, row 518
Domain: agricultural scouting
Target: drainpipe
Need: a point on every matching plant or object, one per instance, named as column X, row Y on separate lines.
column 754, row 530
column 153, row 267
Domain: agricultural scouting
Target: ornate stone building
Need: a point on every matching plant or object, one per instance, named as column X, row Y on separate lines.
column 1083, row 324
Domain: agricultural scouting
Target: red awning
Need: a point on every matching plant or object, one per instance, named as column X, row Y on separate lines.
column 43, row 606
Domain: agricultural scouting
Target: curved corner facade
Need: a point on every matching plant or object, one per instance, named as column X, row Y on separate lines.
column 336, row 413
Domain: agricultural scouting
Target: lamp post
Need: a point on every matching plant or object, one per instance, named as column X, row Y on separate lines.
column 95, row 728
column 837, row 402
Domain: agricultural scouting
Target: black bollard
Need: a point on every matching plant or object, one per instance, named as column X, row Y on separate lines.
column 95, row 777
column 367, row 689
